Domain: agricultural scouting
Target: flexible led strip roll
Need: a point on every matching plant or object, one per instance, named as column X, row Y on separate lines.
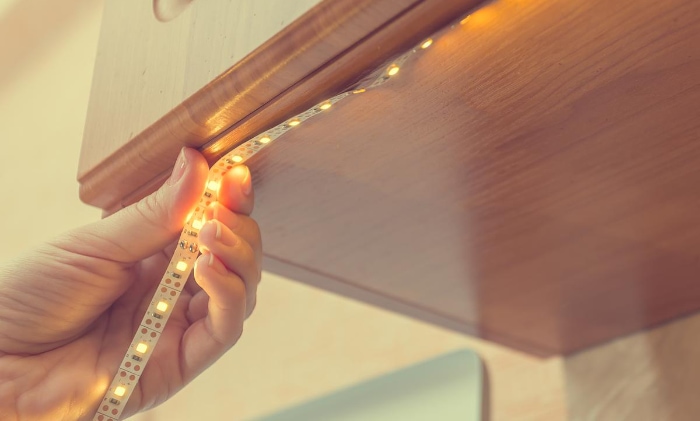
column 187, row 251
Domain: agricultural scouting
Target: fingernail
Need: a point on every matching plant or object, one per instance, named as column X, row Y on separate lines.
column 179, row 168
column 217, row 228
column 243, row 174
column 215, row 264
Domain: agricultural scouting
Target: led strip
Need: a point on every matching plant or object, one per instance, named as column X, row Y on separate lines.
column 187, row 251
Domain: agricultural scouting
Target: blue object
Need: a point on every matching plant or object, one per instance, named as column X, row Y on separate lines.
column 450, row 387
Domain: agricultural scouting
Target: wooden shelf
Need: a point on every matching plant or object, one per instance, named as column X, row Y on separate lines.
column 529, row 179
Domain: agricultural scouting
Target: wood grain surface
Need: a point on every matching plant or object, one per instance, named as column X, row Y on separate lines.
column 301, row 49
column 146, row 68
column 530, row 178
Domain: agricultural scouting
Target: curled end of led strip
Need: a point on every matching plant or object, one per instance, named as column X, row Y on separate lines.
column 181, row 264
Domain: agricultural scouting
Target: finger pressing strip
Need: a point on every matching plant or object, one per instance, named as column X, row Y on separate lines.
column 161, row 306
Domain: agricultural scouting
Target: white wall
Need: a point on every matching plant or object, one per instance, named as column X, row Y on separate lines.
column 44, row 85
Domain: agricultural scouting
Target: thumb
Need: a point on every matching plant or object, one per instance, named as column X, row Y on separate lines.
column 146, row 227
column 236, row 192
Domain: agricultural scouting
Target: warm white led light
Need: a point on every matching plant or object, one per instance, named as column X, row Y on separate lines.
column 295, row 122
column 265, row 139
column 119, row 391
column 141, row 348
column 181, row 266
column 213, row 185
column 359, row 91
column 326, row 105
column 197, row 224
column 161, row 306
column 427, row 43
column 393, row 69
column 237, row 158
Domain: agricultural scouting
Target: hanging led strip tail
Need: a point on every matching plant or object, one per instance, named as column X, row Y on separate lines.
column 153, row 323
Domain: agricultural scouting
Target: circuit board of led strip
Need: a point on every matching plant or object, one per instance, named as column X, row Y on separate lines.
column 181, row 264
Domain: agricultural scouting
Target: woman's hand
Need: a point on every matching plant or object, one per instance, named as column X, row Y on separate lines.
column 69, row 309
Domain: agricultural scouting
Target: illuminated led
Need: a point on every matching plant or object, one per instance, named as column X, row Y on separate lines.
column 294, row 123
column 393, row 69
column 427, row 43
column 120, row 391
column 161, row 306
column 463, row 21
column 197, row 224
column 265, row 139
column 141, row 348
column 237, row 158
column 189, row 216
column 325, row 106
column 181, row 266
column 359, row 91
column 213, row 185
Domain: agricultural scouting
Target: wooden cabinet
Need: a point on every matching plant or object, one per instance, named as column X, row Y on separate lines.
column 146, row 68
column 530, row 178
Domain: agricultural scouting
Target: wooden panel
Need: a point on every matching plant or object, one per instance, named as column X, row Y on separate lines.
column 292, row 55
column 531, row 177
column 350, row 66
column 145, row 67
